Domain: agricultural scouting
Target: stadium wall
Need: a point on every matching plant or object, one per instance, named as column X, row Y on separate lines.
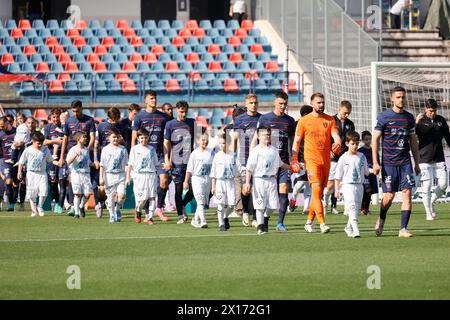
column 115, row 9
column 5, row 9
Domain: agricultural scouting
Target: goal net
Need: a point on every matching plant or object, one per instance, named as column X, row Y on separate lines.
column 369, row 88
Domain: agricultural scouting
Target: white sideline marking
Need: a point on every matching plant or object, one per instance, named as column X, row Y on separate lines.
column 300, row 232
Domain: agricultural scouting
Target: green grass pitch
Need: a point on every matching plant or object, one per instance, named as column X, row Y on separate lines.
column 168, row 261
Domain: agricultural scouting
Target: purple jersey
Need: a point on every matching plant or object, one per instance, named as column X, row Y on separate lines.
column 85, row 124
column 6, row 141
column 368, row 154
column 396, row 129
column 283, row 128
column 154, row 123
column 51, row 132
column 102, row 133
column 245, row 125
column 181, row 135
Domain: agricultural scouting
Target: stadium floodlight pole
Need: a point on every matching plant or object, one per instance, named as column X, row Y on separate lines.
column 375, row 102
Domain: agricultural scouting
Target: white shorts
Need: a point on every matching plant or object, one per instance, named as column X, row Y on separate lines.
column 201, row 187
column 353, row 195
column 37, row 185
column 265, row 193
column 431, row 171
column 332, row 171
column 144, row 185
column 114, row 184
column 226, row 192
column 81, row 183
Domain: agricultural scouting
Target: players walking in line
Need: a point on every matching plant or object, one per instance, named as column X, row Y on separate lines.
column 35, row 159
column 199, row 168
column 371, row 183
column 223, row 173
column 178, row 145
column 142, row 169
column 282, row 133
column 244, row 129
column 154, row 121
column 9, row 172
column 263, row 165
column 431, row 128
column 396, row 128
column 113, row 161
column 316, row 129
column 344, row 125
column 351, row 172
column 79, row 162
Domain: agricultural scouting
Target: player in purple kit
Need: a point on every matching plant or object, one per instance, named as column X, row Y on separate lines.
column 283, row 132
column 371, row 182
column 244, row 129
column 396, row 128
column 54, row 136
column 154, row 121
column 178, row 145
column 101, row 141
column 77, row 122
column 9, row 173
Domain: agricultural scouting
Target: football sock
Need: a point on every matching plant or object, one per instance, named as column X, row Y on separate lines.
column 228, row 211
column 151, row 207
column 33, row 205
column 406, row 214
column 245, row 203
column 161, row 197
column 22, row 192
column 284, row 202
column 353, row 218
column 54, row 191
column 41, row 202
column 62, row 192
column 220, row 214
column 259, row 217
column 383, row 212
column 266, row 221
column 76, row 205
column 201, row 213
column 316, row 203
column 70, row 194
column 426, row 196
column 10, row 193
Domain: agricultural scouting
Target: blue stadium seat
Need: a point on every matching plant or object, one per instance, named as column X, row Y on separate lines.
column 84, row 67
column 222, row 76
column 150, row 41
column 200, row 66
column 150, row 24
column 228, row 66
column 181, row 77
column 143, row 50
column 113, row 86
column 9, row 41
column 206, row 40
column 4, row 33
column 50, row 77
column 37, row 41
column 30, row 33
column 107, row 77
column 186, row 49
column 177, row 25
column 71, row 49
column 208, row 76
column 221, row 57
column 87, row 33
column 218, row 112
column 233, row 24
column 136, row 25
column 10, row 24
column 254, row 33
column 77, row 77
column 237, row 76
column 170, row 33
column 38, row 24
column 203, row 112
column 15, row 49
column 243, row 49
column 136, row 77
column 205, row 24
column 177, row 57
column 120, row 41
column 44, row 33
column 58, row 33
column 101, row 33
column 227, row 48
column 163, row 41
column 216, row 85
column 171, row 49
column 26, row 87
column 258, row 66
column 142, row 67
column 267, row 76
column 213, row 33
column 143, row 33
column 206, row 57
column 164, row 24
column 201, row 84
column 249, row 57
column 184, row 84
column 49, row 58
column 23, row 41
column 115, row 33
column 107, row 58
column 192, row 41
column 264, row 57
column 70, row 86
column 85, row 86
column 3, row 50
column 20, row 58
column 52, row 24
column 109, row 25
column 215, row 122
column 114, row 67
column 260, row 84
column 13, row 67
column 149, row 77
column 157, row 85
column 191, row 114
column 94, row 24
column 221, row 41
column 244, row 85
column 128, row 49
column 228, row 119
column 248, row 41
column 226, row 32
column 243, row 65
column 27, row 67
column 78, row 57
column 121, row 58
column 185, row 66
column 164, row 57
column 100, row 85
column 157, row 67
column 66, row 25
column 86, row 50
column 200, row 49
column 35, row 58
column 219, row 24
column 65, row 41
column 56, row 67
column 100, row 113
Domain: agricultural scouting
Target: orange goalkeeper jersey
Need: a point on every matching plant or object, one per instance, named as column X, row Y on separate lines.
column 316, row 132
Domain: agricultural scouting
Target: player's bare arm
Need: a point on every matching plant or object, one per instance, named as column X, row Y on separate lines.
column 376, row 137
column 63, row 148
column 415, row 151
column 167, row 154
column 133, row 138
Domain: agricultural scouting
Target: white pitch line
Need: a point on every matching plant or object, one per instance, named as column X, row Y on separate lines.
column 302, row 233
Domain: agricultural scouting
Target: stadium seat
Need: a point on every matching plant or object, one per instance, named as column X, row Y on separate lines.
column 178, row 41
column 199, row 33
column 26, row 87
column 255, row 33
column 247, row 24
column 215, row 66
column 94, row 24
column 129, row 33
column 219, row 24
column 201, row 84
column 193, row 57
column 214, row 49
column 230, row 85
column 233, row 24
column 206, row 41
column 260, row 85
column 256, row 49
column 93, row 57
column 51, row 42
column 172, row 66
column 72, row 33
column 87, row 33
column 150, row 24
column 215, row 122
column 56, row 86
column 163, row 24
column 77, row 77
column 136, row 58
column 164, row 57
column 106, row 58
column 38, row 24
column 86, row 67
column 129, row 86
column 216, row 85
column 108, row 41
column 221, row 41
column 157, row 85
column 13, row 67
column 248, row 41
column 170, row 33
column 226, row 33
column 40, row 114
column 70, row 86
column 221, row 57
column 191, row 25
column 29, row 50
column 274, row 84
column 203, row 112
column 213, row 33
column 42, row 67
column 136, row 42
column 79, row 42
column 206, row 57
column 272, row 66
column 7, row 59
column 122, row 24
column 234, row 41
column 64, row 77
column 200, row 120
column 136, row 25
column 150, row 58
column 235, row 57
column 44, row 33
column 16, row 34
column 177, row 24
column 228, row 66
column 142, row 67
column 292, row 85
column 241, row 33
column 157, row 49
column 177, row 57
column 100, row 50
column 172, row 85
column 57, row 49
column 100, row 67
column 242, row 49
column 205, row 24
column 129, row 67
column 35, row 58
column 20, row 58
column 79, row 24
column 143, row 50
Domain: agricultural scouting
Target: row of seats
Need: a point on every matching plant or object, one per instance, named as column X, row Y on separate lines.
column 123, row 24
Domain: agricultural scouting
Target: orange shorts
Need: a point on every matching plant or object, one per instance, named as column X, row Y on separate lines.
column 318, row 173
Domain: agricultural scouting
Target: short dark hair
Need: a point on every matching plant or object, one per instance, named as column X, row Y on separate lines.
column 113, row 113
column 352, row 136
column 114, row 131
column 267, row 128
column 167, row 105
column 56, row 112
column 76, row 104
column 306, row 109
column 142, row 132
column 182, row 104
column 431, row 103
column 365, row 134
column 317, row 95
column 398, row 89
column 38, row 136
column 134, row 106
column 346, row 103
column 281, row 94
column 150, row 93
column 10, row 118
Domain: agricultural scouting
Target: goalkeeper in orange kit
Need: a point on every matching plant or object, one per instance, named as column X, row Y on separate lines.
column 316, row 129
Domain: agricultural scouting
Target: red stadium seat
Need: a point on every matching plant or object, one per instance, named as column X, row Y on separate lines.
column 108, row 42
column 136, row 58
column 24, row 25
column 73, row 33
column 56, row 86
column 51, row 42
column 252, row 75
column 63, row 77
column 199, row 33
column 136, row 41
column 172, row 85
column 172, row 66
column 64, row 57
column 129, row 33
column 194, row 76
column 80, row 25
column 193, row 57
column 230, row 85
column 57, row 49
column 40, row 114
column 122, row 24
column 185, row 33
column 256, row 49
column 150, row 58
column 191, row 25
column 215, row 66
column 214, row 49
column 201, row 120
column 272, row 66
column 42, row 67
column 292, row 86
column 79, row 42
column 241, row 33
column 129, row 86
column 16, row 33
column 229, row 112
column 100, row 50
column 100, row 67
column 71, row 67
column 178, row 41
column 92, row 58
column 157, row 49
column 236, row 57
column 235, row 41
column 29, row 50
column 7, row 59
column 247, row 25
column 122, row 77
column 129, row 66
